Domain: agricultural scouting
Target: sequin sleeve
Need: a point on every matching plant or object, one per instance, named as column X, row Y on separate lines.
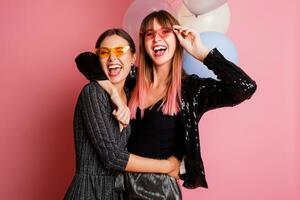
column 232, row 87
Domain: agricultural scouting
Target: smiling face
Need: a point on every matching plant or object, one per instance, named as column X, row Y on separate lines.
column 116, row 58
column 160, row 43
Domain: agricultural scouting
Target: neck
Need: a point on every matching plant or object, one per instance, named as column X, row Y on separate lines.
column 161, row 74
column 120, row 87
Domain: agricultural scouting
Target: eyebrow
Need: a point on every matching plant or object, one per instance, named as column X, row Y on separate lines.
column 116, row 46
column 151, row 29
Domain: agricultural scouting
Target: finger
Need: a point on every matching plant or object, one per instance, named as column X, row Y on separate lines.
column 126, row 118
column 121, row 120
column 124, row 125
column 193, row 31
column 184, row 32
column 178, row 35
column 183, row 29
column 122, row 114
column 176, row 27
column 187, row 32
column 120, row 110
column 121, row 127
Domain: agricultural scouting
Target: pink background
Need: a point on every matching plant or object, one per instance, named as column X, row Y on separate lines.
column 250, row 151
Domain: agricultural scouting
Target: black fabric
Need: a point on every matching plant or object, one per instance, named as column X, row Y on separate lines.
column 156, row 135
column 150, row 186
column 88, row 64
column 202, row 94
column 100, row 147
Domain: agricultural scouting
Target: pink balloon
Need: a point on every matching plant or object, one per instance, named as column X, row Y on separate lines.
column 137, row 11
column 175, row 4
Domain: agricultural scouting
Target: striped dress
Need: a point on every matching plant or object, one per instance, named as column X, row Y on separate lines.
column 101, row 152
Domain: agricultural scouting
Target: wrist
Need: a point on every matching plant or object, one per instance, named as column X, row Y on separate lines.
column 113, row 93
column 202, row 53
column 166, row 166
column 107, row 86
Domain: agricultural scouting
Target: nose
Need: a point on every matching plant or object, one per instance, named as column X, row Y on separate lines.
column 112, row 57
column 157, row 37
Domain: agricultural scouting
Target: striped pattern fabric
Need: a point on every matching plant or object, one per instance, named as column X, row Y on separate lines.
column 100, row 147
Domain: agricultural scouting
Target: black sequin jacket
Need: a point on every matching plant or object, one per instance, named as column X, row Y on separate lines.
column 202, row 94
column 199, row 95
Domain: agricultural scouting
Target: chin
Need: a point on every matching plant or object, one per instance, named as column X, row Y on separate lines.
column 117, row 80
column 162, row 61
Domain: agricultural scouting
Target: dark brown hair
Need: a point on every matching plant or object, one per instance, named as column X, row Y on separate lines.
column 116, row 31
column 88, row 63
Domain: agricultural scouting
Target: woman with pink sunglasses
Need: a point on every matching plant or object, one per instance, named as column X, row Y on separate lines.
column 166, row 104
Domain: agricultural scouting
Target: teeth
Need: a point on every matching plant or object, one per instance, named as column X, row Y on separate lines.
column 159, row 48
column 114, row 66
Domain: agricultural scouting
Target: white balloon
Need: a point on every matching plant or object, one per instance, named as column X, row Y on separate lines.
column 198, row 7
column 137, row 11
column 217, row 20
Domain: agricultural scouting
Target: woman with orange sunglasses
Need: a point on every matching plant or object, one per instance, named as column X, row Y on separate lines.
column 100, row 140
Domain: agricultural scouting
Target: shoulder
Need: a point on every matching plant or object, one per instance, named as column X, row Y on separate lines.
column 93, row 90
column 190, row 80
column 192, row 84
column 195, row 80
column 92, row 86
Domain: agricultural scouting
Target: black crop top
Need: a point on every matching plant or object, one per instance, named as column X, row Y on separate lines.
column 156, row 135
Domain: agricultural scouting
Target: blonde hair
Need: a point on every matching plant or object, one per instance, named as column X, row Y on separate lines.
column 171, row 102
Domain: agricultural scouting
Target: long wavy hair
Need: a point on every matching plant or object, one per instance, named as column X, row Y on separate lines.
column 171, row 102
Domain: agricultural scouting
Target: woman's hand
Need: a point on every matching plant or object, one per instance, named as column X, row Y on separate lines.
column 191, row 42
column 175, row 166
column 122, row 112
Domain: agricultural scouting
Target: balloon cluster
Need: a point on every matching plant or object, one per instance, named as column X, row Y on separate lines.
column 211, row 18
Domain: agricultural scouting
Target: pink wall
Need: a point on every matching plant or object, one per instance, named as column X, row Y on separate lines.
column 253, row 152
column 257, row 158
column 40, row 84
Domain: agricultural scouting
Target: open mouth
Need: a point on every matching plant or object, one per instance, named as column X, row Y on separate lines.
column 114, row 70
column 159, row 50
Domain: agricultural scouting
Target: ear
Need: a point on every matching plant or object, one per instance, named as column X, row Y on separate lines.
column 133, row 58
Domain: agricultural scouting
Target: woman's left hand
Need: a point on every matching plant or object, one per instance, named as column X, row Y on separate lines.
column 191, row 42
column 175, row 163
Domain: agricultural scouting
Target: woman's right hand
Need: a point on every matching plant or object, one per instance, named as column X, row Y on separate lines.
column 122, row 112
column 190, row 40
column 175, row 166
